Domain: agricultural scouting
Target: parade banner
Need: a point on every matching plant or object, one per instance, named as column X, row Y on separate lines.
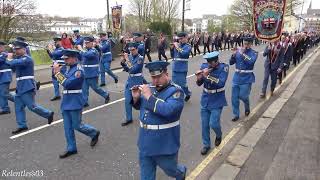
column 116, row 17
column 268, row 18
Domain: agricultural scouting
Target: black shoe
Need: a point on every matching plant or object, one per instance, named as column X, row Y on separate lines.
column 116, row 80
column 50, row 118
column 95, row 139
column 184, row 173
column 19, row 130
column 86, row 105
column 205, row 150
column 126, row 123
column 246, row 113
column 38, row 85
column 186, row 99
column 235, row 119
column 262, row 96
column 67, row 154
column 107, row 99
column 217, row 142
column 55, row 98
column 5, row 112
column 103, row 84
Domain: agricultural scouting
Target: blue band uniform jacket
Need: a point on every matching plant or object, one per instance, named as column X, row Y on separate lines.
column 163, row 107
column 5, row 70
column 72, row 81
column 24, row 68
column 245, row 63
column 214, row 82
column 181, row 56
column 90, row 63
column 106, row 55
column 134, row 67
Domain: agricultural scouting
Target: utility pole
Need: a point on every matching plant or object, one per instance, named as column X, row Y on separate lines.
column 108, row 14
column 183, row 10
column 301, row 16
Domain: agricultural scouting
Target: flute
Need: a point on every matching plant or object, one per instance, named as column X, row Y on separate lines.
column 197, row 73
column 136, row 87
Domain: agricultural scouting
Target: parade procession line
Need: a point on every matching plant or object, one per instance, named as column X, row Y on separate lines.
column 234, row 170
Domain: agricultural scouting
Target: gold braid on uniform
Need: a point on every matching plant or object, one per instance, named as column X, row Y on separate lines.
column 129, row 64
column 212, row 79
column 60, row 77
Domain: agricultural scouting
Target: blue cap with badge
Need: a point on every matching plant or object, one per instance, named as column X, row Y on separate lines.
column 156, row 67
column 19, row 38
column 213, row 56
column 76, row 31
column 88, row 39
column 133, row 45
column 182, row 34
column 248, row 39
column 19, row 44
column 136, row 34
column 69, row 53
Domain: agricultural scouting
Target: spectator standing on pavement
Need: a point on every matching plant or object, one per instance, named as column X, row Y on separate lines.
column 196, row 43
column 66, row 41
column 162, row 46
column 147, row 41
column 206, row 42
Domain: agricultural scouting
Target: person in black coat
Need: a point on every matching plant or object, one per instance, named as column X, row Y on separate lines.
column 147, row 47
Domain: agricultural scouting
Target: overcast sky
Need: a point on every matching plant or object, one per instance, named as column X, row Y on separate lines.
column 98, row 8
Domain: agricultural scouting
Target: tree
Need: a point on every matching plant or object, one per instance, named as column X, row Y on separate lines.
column 164, row 27
column 142, row 9
column 213, row 27
column 13, row 12
column 243, row 10
column 155, row 11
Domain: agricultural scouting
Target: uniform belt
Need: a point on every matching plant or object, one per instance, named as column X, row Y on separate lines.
column 160, row 126
column 212, row 91
column 24, row 78
column 94, row 65
column 58, row 61
column 179, row 59
column 133, row 75
column 106, row 53
column 244, row 71
column 5, row 70
column 72, row 91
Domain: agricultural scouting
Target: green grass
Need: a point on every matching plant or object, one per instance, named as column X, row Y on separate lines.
column 40, row 57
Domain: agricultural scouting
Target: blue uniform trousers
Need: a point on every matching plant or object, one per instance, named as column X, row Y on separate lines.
column 168, row 163
column 180, row 78
column 240, row 92
column 105, row 67
column 55, row 87
column 93, row 83
column 72, row 121
column 210, row 118
column 4, row 97
column 273, row 75
column 127, row 103
column 27, row 99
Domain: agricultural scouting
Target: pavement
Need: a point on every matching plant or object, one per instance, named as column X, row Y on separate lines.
column 115, row 156
column 284, row 142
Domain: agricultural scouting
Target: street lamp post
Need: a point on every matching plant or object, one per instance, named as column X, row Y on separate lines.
column 108, row 14
column 183, row 10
